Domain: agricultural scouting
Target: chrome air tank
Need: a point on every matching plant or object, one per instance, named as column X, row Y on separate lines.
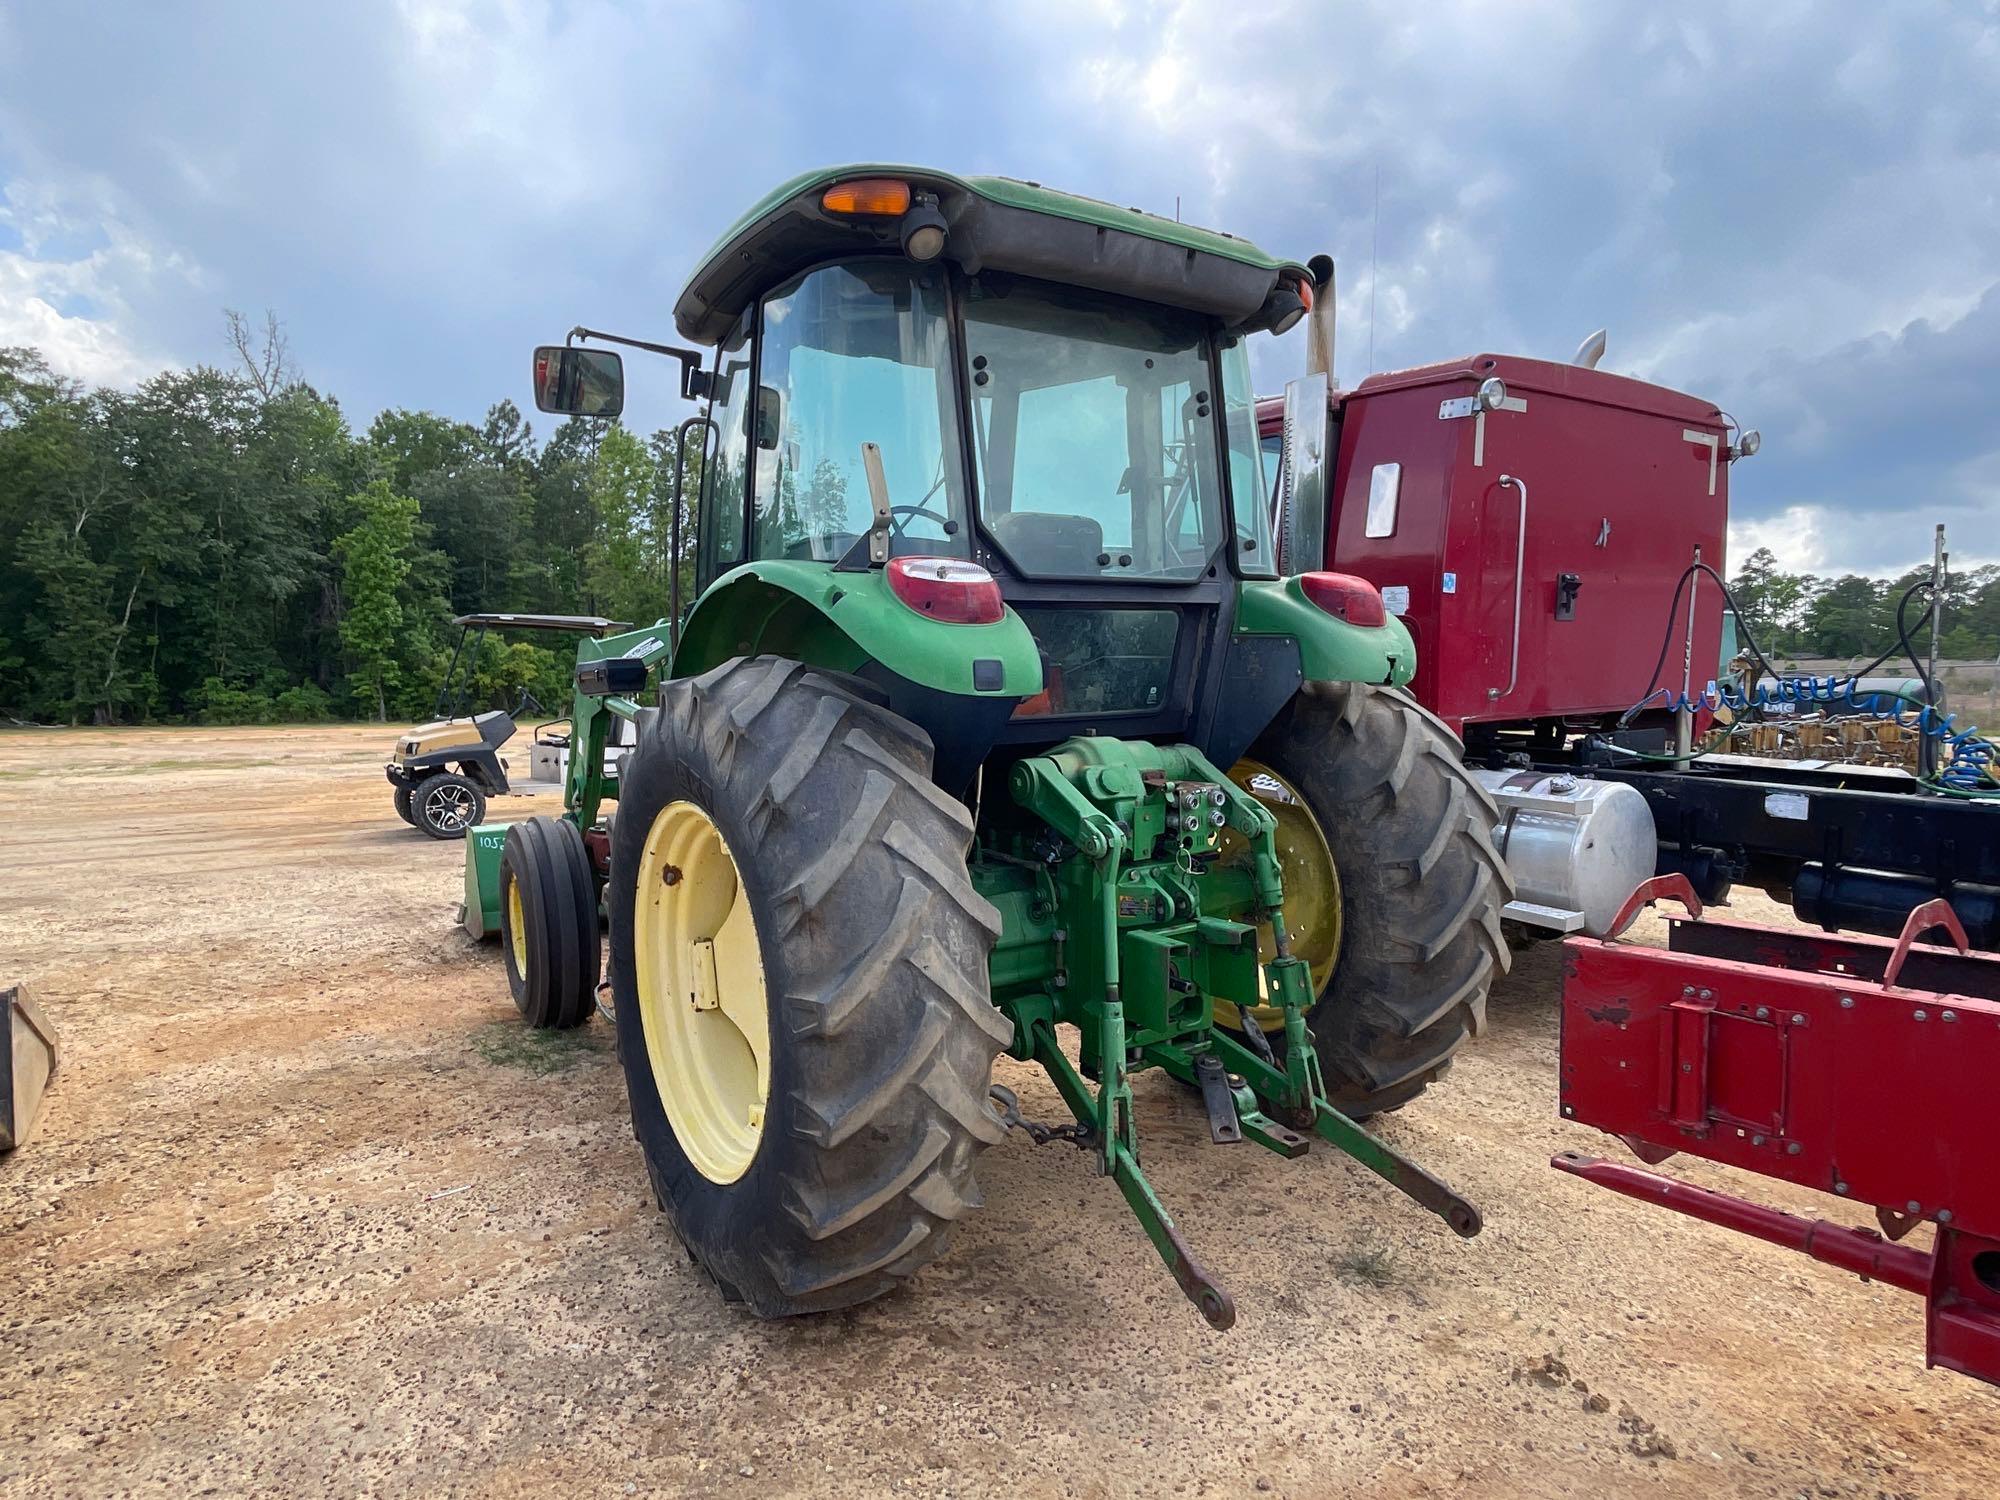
column 1575, row 847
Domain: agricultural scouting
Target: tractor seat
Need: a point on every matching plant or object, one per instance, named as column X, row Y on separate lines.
column 1049, row 542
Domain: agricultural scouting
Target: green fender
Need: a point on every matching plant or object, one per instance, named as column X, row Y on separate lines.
column 1330, row 649
column 843, row 621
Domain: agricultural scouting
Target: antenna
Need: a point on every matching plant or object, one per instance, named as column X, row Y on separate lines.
column 1374, row 238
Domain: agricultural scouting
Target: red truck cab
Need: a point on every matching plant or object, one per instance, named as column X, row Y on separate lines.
column 1544, row 597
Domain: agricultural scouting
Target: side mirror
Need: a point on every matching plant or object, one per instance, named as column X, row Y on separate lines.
column 1306, row 476
column 579, row 382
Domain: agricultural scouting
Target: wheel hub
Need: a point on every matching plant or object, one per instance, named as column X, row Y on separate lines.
column 702, row 1000
column 517, row 927
column 448, row 807
column 1312, row 884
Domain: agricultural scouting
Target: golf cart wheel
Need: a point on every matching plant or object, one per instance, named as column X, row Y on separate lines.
column 1386, row 846
column 447, row 804
column 799, row 962
column 548, row 923
column 402, row 799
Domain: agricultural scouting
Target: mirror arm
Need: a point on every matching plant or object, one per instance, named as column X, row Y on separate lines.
column 694, row 379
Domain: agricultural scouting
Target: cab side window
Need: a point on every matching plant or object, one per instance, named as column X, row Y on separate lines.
column 727, row 474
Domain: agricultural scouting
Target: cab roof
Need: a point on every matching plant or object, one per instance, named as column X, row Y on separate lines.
column 999, row 223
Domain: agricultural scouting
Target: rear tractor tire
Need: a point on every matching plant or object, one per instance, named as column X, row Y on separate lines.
column 1405, row 937
column 548, row 923
column 447, row 805
column 799, row 962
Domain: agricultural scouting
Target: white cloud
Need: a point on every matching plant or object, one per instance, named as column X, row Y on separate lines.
column 74, row 305
column 1796, row 536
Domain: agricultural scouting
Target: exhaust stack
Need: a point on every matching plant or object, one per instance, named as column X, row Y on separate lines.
column 1590, row 351
column 1319, row 326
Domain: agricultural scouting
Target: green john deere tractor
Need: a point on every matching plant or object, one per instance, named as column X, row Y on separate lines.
column 992, row 720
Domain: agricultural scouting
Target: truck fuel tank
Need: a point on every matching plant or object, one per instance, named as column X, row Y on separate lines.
column 1575, row 847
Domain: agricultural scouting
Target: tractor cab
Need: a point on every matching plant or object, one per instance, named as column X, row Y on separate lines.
column 1052, row 411
column 993, row 719
column 443, row 771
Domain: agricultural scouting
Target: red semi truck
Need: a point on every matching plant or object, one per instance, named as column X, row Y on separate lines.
column 1535, row 524
column 1531, row 539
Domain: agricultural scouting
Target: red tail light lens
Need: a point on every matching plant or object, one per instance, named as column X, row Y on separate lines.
column 944, row 588
column 1346, row 597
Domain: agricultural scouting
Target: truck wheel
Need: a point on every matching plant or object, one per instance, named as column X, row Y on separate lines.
column 548, row 923
column 447, row 804
column 799, row 962
column 1387, row 849
column 402, row 800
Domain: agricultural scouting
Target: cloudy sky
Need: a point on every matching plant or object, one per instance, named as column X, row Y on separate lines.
column 1791, row 209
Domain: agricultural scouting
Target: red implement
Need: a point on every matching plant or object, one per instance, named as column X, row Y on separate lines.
column 1857, row 1066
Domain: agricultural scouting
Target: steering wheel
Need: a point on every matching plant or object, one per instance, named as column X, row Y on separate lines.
column 528, row 701
column 912, row 511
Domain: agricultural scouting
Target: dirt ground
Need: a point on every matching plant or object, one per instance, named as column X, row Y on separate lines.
column 308, row 1214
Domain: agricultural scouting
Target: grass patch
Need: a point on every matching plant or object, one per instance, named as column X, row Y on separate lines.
column 1367, row 1265
column 508, row 1044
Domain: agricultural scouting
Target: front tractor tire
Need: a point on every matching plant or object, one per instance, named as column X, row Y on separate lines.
column 1410, row 920
column 548, row 923
column 799, row 963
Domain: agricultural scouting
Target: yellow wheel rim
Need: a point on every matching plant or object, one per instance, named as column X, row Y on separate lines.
column 1312, row 886
column 702, row 1003
column 517, row 927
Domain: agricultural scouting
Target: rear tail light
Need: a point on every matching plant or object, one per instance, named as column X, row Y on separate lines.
column 1346, row 597
column 944, row 588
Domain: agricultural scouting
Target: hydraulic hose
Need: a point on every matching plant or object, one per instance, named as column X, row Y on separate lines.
column 1967, row 771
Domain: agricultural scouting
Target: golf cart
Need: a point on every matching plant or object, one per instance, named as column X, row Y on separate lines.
column 444, row 771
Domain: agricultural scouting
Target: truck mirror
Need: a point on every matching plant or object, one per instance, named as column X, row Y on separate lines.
column 1305, row 477
column 579, row 382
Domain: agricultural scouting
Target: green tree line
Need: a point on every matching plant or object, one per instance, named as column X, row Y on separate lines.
column 222, row 546
column 1798, row 614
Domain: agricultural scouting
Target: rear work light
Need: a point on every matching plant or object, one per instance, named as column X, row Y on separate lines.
column 1346, row 597
column 867, row 195
column 944, row 588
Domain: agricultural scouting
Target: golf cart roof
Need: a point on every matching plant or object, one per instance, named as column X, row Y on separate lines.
column 582, row 624
column 993, row 222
